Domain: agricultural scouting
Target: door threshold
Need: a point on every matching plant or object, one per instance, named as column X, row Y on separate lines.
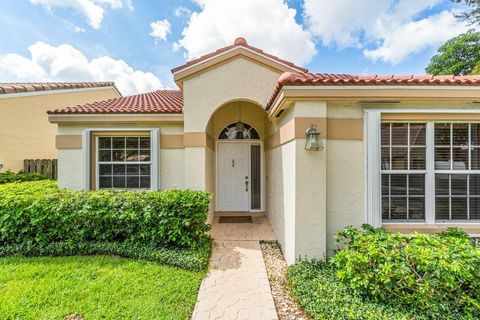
column 239, row 213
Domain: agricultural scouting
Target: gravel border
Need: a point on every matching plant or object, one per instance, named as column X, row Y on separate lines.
column 287, row 307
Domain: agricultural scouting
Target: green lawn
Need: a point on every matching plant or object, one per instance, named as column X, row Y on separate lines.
column 95, row 288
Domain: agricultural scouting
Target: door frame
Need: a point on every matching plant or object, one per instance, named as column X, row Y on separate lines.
column 262, row 172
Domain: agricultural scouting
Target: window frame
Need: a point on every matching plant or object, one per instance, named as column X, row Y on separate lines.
column 88, row 134
column 98, row 163
column 407, row 172
column 373, row 168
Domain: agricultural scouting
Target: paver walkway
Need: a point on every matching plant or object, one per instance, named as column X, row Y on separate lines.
column 237, row 286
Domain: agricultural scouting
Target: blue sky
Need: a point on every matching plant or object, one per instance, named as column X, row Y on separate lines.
column 136, row 43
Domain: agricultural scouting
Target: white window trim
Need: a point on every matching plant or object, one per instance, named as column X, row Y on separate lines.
column 372, row 165
column 155, row 149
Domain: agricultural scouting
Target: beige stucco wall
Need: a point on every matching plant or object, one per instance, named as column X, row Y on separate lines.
column 296, row 190
column 25, row 132
column 239, row 79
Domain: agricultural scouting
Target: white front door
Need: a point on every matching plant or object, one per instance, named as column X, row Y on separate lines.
column 233, row 167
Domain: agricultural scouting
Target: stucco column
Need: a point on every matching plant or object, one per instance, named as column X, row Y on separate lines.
column 310, row 190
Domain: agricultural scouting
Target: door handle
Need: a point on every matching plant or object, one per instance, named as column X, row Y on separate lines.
column 246, row 183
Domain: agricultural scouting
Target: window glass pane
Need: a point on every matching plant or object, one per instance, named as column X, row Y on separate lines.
column 399, row 158
column 133, row 169
column 145, row 142
column 385, row 158
column 132, row 142
column 460, row 158
column 105, row 182
column 144, row 155
column 118, row 142
column 398, row 208
column 442, row 184
column 105, row 169
column 475, row 134
column 104, row 155
column 417, row 158
column 133, row 182
column 442, row 208
column 145, row 169
column 104, row 142
column 398, row 184
column 460, row 134
column 417, row 134
column 385, row 208
column 475, row 184
column 119, row 182
column 442, row 134
column 400, row 134
column 118, row 155
column 385, row 134
column 385, row 184
column 119, row 170
column 475, row 208
column 132, row 155
column 255, row 177
column 144, row 182
column 416, row 184
column 459, row 184
column 459, row 208
column 416, row 208
column 475, row 158
column 442, row 158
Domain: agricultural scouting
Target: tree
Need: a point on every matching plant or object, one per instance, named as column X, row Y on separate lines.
column 457, row 56
column 473, row 16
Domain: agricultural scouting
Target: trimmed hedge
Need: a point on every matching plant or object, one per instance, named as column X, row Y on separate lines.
column 9, row 177
column 436, row 275
column 38, row 218
column 40, row 213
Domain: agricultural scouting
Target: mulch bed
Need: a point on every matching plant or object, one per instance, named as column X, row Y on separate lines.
column 287, row 308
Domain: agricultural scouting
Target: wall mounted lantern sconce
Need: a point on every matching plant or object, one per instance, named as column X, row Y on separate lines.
column 314, row 141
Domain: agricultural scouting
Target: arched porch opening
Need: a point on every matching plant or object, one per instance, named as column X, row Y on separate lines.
column 238, row 129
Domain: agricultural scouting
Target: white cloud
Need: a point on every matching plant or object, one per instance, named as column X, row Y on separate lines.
column 65, row 63
column 93, row 10
column 387, row 30
column 413, row 37
column 160, row 29
column 182, row 11
column 267, row 24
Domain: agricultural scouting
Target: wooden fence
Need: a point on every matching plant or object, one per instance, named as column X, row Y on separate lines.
column 47, row 167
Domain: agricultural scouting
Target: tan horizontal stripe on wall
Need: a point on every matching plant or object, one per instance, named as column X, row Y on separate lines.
column 198, row 139
column 171, row 141
column 424, row 228
column 68, row 142
column 431, row 116
column 337, row 129
column 345, row 129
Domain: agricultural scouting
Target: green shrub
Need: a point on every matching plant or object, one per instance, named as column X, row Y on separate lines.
column 432, row 274
column 319, row 293
column 9, row 177
column 38, row 213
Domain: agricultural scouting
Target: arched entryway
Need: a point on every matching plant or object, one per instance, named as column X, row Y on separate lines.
column 239, row 129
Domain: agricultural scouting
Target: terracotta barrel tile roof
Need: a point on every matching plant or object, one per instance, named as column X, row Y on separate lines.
column 7, row 88
column 160, row 101
column 239, row 42
column 327, row 79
